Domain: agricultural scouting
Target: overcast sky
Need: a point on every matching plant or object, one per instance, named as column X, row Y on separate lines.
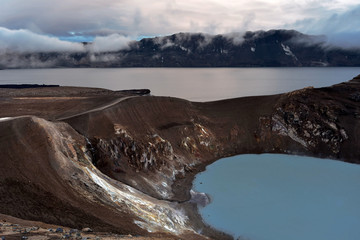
column 83, row 20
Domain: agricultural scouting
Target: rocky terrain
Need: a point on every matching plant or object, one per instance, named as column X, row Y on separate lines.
column 32, row 230
column 123, row 162
column 274, row 48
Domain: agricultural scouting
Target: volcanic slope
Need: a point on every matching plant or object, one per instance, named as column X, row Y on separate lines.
column 125, row 163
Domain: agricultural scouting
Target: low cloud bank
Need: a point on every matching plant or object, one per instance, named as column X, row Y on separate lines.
column 345, row 40
column 342, row 40
column 23, row 49
column 15, row 60
column 25, row 41
column 111, row 43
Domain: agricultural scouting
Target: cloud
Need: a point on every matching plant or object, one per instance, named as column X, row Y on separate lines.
column 109, row 21
column 111, row 43
column 26, row 41
column 57, row 17
column 19, row 61
column 342, row 28
column 23, row 41
column 344, row 21
column 164, row 42
column 345, row 39
column 237, row 38
column 15, row 44
column 104, row 57
column 163, row 17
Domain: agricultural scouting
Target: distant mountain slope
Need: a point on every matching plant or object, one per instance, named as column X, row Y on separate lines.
column 274, row 48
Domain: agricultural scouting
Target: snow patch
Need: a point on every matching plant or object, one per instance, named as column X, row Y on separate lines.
column 288, row 51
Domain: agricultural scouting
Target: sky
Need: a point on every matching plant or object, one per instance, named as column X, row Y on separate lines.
column 118, row 21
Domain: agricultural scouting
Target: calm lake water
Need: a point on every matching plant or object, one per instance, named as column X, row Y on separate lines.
column 259, row 197
column 280, row 197
column 197, row 84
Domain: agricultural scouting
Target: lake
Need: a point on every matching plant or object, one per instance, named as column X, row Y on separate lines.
column 197, row 84
column 281, row 197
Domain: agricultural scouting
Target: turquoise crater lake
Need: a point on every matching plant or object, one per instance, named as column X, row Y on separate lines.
column 281, row 197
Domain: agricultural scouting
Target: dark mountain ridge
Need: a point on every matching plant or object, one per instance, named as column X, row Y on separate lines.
column 274, row 48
